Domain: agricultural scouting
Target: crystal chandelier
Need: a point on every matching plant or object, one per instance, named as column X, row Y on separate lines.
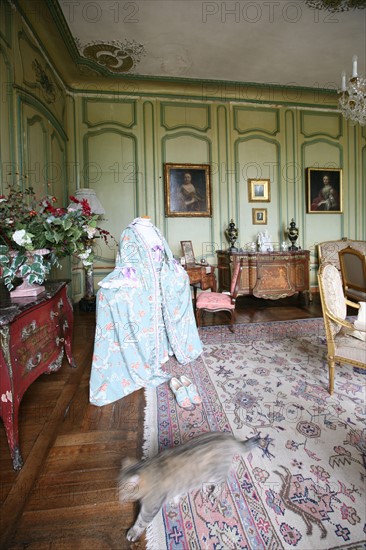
column 352, row 101
column 336, row 5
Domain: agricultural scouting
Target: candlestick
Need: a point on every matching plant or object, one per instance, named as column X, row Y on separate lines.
column 354, row 66
column 343, row 87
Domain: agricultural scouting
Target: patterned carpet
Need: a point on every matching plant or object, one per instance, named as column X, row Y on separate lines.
column 306, row 488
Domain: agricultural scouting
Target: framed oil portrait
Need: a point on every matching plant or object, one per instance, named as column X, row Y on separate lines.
column 188, row 253
column 187, row 190
column 259, row 216
column 324, row 190
column 259, row 190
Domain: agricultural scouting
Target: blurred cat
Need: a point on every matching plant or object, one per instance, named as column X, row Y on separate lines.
column 204, row 459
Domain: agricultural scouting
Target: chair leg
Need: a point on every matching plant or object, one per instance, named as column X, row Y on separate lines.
column 331, row 366
column 198, row 317
column 232, row 321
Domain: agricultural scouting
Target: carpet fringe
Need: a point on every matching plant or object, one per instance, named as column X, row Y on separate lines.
column 151, row 445
column 155, row 534
column 150, row 448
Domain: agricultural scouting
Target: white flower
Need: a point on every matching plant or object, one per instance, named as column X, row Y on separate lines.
column 3, row 199
column 87, row 263
column 85, row 255
column 90, row 231
column 22, row 238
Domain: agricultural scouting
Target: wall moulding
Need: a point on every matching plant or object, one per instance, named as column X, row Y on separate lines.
column 183, row 115
column 326, row 124
column 250, row 119
column 121, row 113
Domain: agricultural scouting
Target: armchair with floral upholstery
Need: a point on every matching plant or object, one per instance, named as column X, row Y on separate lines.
column 346, row 341
column 328, row 251
column 353, row 271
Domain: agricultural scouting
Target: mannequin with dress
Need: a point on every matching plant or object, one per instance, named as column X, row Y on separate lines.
column 144, row 316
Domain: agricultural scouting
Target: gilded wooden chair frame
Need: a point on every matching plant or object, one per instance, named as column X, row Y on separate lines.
column 353, row 270
column 337, row 328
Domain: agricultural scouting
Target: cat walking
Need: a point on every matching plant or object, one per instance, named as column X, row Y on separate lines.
column 205, row 459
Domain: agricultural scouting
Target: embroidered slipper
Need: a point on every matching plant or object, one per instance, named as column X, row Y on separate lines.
column 181, row 394
column 191, row 390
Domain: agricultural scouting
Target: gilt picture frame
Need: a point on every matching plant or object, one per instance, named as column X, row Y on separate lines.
column 324, row 190
column 187, row 190
column 259, row 216
column 259, row 190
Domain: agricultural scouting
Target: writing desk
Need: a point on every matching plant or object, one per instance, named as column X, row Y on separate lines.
column 201, row 276
column 270, row 275
column 34, row 333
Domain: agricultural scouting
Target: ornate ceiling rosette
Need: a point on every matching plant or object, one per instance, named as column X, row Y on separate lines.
column 116, row 56
column 336, row 5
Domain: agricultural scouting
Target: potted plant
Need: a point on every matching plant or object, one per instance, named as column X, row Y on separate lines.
column 35, row 234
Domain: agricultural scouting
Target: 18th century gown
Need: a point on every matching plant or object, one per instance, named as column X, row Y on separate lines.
column 144, row 315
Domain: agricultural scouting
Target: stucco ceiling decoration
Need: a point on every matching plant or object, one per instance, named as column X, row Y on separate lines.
column 44, row 81
column 266, row 43
column 117, row 56
column 336, row 5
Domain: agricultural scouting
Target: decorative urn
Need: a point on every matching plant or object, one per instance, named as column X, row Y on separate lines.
column 293, row 234
column 232, row 236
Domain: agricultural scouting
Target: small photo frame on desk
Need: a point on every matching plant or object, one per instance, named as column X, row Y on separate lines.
column 258, row 190
column 259, row 216
column 188, row 253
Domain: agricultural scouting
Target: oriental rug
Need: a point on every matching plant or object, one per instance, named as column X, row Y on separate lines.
column 305, row 487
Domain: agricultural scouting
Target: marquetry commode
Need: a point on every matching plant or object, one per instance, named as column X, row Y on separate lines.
column 34, row 333
column 270, row 275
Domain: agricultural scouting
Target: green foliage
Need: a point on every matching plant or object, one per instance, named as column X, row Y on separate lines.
column 34, row 234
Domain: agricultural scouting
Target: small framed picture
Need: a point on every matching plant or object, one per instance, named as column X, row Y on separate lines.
column 324, row 190
column 259, row 190
column 259, row 216
column 187, row 190
column 188, row 253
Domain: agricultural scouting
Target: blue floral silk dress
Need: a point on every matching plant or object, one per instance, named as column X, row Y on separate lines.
column 144, row 315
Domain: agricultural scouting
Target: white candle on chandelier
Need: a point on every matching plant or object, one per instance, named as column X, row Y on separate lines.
column 343, row 86
column 354, row 66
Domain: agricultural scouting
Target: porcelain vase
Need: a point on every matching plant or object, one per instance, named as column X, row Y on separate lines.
column 26, row 288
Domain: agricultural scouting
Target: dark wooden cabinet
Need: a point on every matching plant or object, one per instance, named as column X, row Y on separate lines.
column 34, row 333
column 270, row 275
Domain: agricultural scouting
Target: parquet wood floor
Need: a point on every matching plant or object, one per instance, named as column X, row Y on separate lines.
column 65, row 496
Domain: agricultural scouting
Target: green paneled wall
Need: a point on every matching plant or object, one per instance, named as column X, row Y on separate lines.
column 118, row 144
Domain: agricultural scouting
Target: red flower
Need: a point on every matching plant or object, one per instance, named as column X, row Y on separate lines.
column 85, row 207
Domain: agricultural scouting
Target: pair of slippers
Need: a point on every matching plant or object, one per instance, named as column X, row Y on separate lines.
column 185, row 392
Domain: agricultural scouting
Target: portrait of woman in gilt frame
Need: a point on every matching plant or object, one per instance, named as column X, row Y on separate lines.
column 187, row 190
column 324, row 190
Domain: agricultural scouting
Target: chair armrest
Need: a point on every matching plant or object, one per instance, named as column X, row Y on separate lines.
column 352, row 304
column 343, row 322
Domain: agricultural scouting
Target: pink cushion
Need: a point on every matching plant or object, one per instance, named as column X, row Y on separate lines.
column 214, row 300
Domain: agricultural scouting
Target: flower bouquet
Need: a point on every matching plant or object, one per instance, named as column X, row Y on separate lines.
column 35, row 235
